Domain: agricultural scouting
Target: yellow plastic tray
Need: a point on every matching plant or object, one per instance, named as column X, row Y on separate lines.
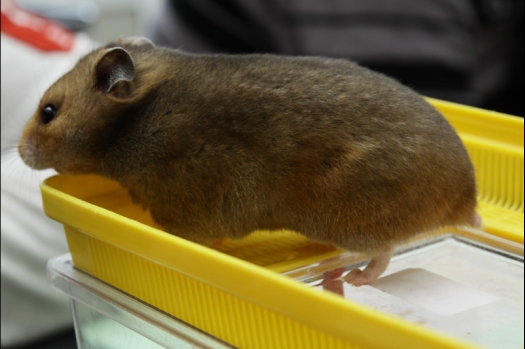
column 233, row 291
column 495, row 144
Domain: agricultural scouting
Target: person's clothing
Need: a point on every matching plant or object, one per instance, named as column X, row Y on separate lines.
column 466, row 51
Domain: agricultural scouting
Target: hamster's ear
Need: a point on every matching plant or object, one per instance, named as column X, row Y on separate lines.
column 136, row 41
column 114, row 72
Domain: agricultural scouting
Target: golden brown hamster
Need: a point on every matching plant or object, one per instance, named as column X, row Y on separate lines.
column 219, row 145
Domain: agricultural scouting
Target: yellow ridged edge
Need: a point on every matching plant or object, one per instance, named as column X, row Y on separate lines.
column 104, row 243
column 495, row 144
column 490, row 125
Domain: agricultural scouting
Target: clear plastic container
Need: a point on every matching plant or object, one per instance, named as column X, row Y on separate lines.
column 467, row 285
column 108, row 318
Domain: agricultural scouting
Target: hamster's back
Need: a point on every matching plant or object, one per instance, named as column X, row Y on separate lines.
column 328, row 138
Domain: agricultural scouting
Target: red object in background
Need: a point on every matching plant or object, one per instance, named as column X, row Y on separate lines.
column 35, row 30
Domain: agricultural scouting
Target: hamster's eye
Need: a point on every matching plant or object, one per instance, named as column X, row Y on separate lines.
column 48, row 113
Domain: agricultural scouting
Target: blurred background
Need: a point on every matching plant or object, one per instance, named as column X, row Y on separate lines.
column 102, row 20
column 467, row 51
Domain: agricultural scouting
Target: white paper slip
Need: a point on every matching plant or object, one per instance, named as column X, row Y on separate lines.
column 433, row 292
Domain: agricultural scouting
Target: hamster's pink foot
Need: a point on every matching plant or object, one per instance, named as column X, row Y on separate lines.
column 373, row 270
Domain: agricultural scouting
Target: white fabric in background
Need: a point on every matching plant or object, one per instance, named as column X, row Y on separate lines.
column 30, row 307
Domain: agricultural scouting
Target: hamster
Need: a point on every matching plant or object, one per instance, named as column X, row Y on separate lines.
column 217, row 146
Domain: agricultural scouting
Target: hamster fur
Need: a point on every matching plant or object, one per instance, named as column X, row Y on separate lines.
column 218, row 146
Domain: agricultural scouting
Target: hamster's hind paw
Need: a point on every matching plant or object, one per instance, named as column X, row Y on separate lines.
column 373, row 270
